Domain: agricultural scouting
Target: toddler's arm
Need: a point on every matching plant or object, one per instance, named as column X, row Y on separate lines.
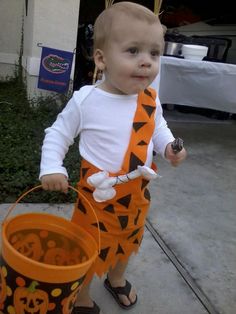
column 58, row 138
column 163, row 138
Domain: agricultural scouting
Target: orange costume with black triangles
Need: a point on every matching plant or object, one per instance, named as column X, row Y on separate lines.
column 121, row 219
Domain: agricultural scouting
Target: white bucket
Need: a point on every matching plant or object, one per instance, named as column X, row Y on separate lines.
column 194, row 52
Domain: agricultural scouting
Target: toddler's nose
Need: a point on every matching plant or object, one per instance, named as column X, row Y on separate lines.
column 145, row 62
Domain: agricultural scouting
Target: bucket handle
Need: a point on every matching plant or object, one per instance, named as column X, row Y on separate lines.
column 70, row 187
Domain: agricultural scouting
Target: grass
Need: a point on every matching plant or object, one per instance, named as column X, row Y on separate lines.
column 22, row 125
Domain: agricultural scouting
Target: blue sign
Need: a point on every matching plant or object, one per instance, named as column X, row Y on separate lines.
column 55, row 69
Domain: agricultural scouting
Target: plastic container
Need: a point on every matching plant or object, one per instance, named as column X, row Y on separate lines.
column 194, row 52
column 44, row 260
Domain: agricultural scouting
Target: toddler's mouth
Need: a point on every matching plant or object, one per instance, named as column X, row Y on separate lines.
column 140, row 77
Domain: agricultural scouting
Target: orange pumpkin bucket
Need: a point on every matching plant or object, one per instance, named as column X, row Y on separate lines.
column 44, row 260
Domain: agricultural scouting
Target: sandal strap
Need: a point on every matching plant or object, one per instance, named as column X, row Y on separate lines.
column 123, row 290
column 86, row 310
column 115, row 292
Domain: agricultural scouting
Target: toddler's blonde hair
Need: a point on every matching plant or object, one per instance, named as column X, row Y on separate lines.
column 104, row 22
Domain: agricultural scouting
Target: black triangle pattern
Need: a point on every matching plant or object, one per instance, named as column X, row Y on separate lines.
column 138, row 125
column 81, row 207
column 144, row 184
column 101, row 226
column 134, row 162
column 147, row 194
column 133, row 233
column 119, row 250
column 137, row 217
column 125, row 200
column 142, row 143
column 136, row 241
column 109, row 208
column 149, row 109
column 84, row 171
column 147, row 92
column 123, row 221
column 103, row 253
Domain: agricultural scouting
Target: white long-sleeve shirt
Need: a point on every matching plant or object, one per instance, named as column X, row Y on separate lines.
column 104, row 122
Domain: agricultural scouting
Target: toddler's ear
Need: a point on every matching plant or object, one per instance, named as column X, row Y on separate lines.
column 99, row 59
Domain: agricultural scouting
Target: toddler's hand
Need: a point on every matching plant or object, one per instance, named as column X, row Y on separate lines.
column 55, row 182
column 175, row 158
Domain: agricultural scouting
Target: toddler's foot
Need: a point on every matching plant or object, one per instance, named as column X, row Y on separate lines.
column 122, row 291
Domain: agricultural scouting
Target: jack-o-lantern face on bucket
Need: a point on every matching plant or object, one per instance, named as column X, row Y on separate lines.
column 3, row 287
column 30, row 300
column 56, row 256
column 29, row 245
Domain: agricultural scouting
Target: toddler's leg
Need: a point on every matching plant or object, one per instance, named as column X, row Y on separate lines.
column 84, row 304
column 83, row 298
column 116, row 277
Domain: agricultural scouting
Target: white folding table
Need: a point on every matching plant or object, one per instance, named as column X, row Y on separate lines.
column 193, row 83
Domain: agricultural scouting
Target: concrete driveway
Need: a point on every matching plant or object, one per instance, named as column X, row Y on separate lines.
column 187, row 262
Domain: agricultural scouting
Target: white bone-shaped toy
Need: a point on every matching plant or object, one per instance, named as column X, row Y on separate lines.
column 103, row 183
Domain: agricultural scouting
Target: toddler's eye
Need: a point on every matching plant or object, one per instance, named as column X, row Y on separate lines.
column 133, row 50
column 155, row 53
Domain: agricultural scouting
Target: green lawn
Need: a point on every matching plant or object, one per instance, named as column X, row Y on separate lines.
column 22, row 125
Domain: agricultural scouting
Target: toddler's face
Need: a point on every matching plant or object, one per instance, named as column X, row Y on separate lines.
column 132, row 56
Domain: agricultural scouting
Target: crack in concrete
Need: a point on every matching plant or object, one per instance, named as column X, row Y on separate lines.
column 182, row 271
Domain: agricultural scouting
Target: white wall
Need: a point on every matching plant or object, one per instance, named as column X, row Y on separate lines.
column 54, row 24
column 11, row 15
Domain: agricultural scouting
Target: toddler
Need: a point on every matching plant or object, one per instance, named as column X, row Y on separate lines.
column 120, row 124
